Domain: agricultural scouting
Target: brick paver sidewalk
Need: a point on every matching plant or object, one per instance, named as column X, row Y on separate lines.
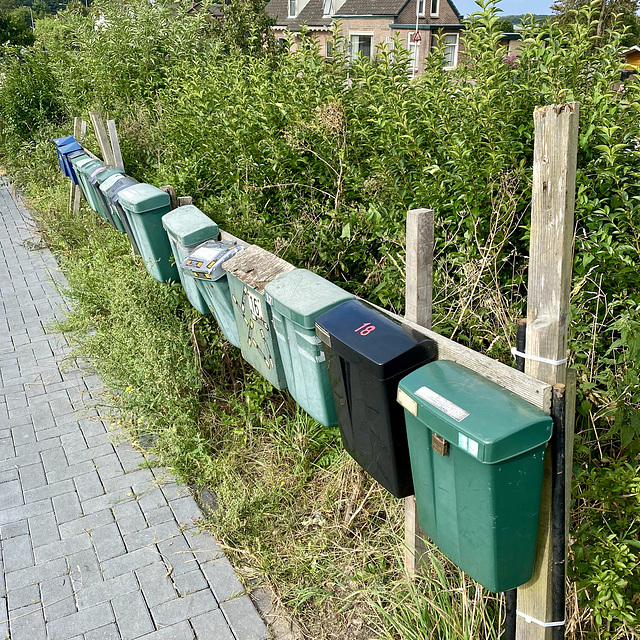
column 93, row 546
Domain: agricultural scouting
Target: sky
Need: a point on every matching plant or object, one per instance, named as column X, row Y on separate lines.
column 509, row 7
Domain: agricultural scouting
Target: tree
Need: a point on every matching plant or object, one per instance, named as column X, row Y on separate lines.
column 607, row 15
column 15, row 27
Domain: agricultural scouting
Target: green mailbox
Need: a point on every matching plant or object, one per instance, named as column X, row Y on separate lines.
column 83, row 168
column 296, row 299
column 205, row 265
column 188, row 227
column 249, row 272
column 103, row 208
column 144, row 206
column 477, row 458
column 105, row 185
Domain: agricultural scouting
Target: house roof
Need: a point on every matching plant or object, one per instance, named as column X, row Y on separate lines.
column 371, row 8
column 630, row 49
column 311, row 15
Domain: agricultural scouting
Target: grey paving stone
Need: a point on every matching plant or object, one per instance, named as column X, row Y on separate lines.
column 52, row 490
column 129, row 562
column 32, row 476
column 62, row 548
column 171, row 489
column 186, row 510
column 25, row 511
column 175, row 611
column 7, row 450
column 30, row 575
column 84, row 569
column 134, row 479
column 132, row 616
column 70, row 472
column 73, row 442
column 57, row 597
column 222, row 579
column 24, row 434
column 56, row 430
column 54, row 460
column 27, row 624
column 43, row 529
column 107, row 542
column 8, row 475
column 14, row 529
column 203, row 545
column 212, row 626
column 105, row 591
column 108, row 466
column 244, row 620
column 11, row 494
column 92, row 427
column 160, row 515
column 107, row 501
column 175, row 551
column 86, row 523
column 89, row 486
column 102, row 439
column 17, row 553
column 108, row 632
column 23, row 597
column 182, row 630
column 155, row 583
column 190, row 582
column 32, row 449
column 129, row 516
column 81, row 622
column 152, row 535
column 130, row 459
column 67, row 507
column 92, row 452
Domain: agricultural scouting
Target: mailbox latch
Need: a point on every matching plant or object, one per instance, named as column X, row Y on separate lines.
column 439, row 444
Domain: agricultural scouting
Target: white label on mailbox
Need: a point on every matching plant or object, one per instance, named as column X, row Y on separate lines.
column 444, row 405
column 255, row 306
column 468, row 445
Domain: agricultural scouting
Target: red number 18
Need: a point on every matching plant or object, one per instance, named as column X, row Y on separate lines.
column 365, row 329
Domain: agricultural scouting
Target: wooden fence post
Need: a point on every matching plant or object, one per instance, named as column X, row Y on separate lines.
column 418, row 303
column 115, row 144
column 549, row 287
column 102, row 137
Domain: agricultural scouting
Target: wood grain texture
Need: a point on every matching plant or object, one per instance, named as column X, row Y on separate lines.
column 549, row 288
column 102, row 137
column 418, row 309
column 256, row 267
column 115, row 145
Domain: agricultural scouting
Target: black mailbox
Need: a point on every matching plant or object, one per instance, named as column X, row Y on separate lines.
column 367, row 354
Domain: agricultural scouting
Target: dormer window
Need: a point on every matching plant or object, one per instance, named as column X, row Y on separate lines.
column 435, row 8
column 421, row 7
column 326, row 10
column 292, row 8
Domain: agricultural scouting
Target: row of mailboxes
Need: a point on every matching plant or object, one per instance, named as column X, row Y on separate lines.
column 471, row 451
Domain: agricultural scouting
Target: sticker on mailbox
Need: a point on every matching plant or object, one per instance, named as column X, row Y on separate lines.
column 468, row 444
column 441, row 403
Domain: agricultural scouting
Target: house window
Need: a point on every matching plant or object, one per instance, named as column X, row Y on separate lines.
column 361, row 45
column 326, row 10
column 435, row 8
column 292, row 8
column 450, row 41
column 421, row 7
column 329, row 49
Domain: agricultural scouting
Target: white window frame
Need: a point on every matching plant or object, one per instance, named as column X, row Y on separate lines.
column 432, row 13
column 327, row 7
column 455, row 49
column 368, row 34
column 293, row 3
column 423, row 13
column 328, row 49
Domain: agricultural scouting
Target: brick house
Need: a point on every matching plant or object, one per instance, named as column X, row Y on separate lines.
column 367, row 24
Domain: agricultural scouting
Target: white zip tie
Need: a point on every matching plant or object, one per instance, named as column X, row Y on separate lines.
column 515, row 352
column 528, row 619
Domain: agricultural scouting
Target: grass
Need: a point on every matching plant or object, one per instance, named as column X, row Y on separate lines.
column 294, row 510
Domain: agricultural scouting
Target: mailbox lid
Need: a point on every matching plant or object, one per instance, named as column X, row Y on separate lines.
column 60, row 142
column 143, row 198
column 302, row 296
column 472, row 413
column 386, row 350
column 120, row 183
column 102, row 176
column 256, row 267
column 188, row 225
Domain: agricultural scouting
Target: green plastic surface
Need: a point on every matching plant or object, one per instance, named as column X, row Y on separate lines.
column 101, row 199
column 145, row 205
column 189, row 226
column 480, row 501
column 84, row 169
column 297, row 298
column 218, row 297
column 302, row 296
column 145, row 198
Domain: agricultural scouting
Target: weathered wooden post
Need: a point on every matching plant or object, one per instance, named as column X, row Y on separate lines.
column 549, row 287
column 418, row 302
column 115, row 144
